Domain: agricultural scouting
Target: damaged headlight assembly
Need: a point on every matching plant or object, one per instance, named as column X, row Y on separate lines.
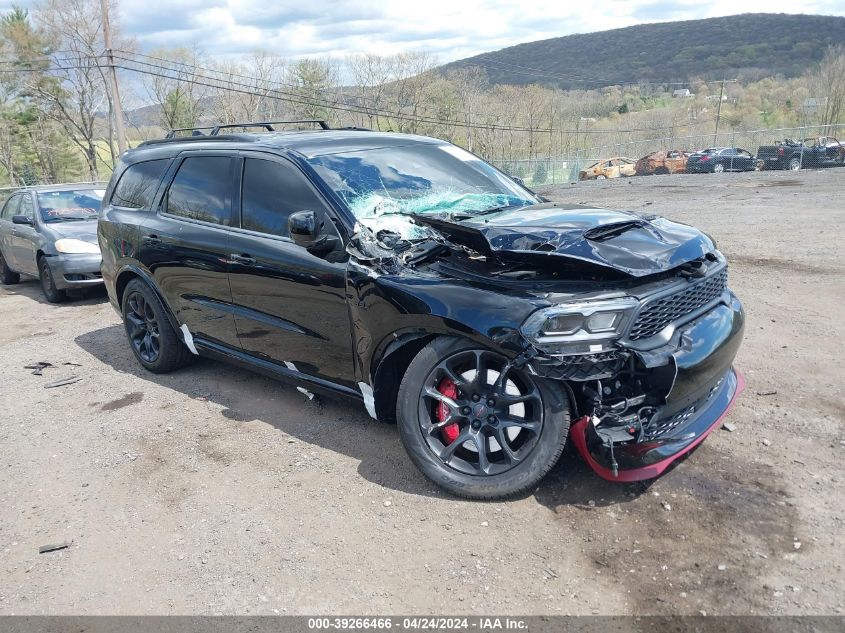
column 579, row 328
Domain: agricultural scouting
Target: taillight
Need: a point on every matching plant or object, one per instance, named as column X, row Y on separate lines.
column 781, row 151
column 705, row 157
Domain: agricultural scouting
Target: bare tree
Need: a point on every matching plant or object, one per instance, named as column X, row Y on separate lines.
column 470, row 84
column 178, row 90
column 372, row 76
column 831, row 83
column 413, row 75
column 73, row 93
column 249, row 89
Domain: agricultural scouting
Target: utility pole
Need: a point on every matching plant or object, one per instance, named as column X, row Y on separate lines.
column 719, row 113
column 115, row 92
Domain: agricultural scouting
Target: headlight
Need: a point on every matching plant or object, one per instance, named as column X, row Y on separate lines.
column 68, row 245
column 579, row 328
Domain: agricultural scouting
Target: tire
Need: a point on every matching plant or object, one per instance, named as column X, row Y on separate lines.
column 661, row 171
column 520, row 441
column 8, row 277
column 718, row 168
column 48, row 283
column 152, row 338
column 794, row 164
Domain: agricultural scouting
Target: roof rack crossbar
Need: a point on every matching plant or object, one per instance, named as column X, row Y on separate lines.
column 172, row 133
column 267, row 125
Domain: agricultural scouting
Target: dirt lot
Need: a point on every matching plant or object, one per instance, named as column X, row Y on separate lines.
column 213, row 490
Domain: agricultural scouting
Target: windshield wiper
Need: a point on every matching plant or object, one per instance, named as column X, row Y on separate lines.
column 73, row 217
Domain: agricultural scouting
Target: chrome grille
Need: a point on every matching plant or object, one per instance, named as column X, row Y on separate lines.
column 657, row 314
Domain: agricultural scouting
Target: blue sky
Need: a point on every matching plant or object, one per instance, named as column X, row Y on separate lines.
column 449, row 29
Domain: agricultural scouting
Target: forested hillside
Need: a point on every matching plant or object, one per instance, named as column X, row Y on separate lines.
column 747, row 46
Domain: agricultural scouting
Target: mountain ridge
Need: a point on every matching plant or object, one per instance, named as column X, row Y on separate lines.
column 748, row 46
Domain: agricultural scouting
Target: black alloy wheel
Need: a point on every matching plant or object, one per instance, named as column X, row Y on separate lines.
column 48, row 283
column 477, row 425
column 153, row 339
column 494, row 419
column 8, row 277
column 142, row 328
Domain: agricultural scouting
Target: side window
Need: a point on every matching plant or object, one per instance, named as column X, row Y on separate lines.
column 27, row 208
column 201, row 190
column 12, row 207
column 138, row 184
column 271, row 192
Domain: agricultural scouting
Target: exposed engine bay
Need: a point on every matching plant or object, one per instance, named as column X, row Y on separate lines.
column 630, row 384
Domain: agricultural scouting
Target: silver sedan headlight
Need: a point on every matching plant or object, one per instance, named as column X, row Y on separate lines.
column 579, row 328
column 70, row 245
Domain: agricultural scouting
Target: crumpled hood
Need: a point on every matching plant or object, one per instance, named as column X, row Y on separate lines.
column 635, row 244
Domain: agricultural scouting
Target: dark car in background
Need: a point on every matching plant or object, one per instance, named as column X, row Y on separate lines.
column 413, row 277
column 720, row 159
column 50, row 232
column 815, row 151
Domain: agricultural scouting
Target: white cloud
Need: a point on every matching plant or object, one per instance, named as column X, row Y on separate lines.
column 451, row 29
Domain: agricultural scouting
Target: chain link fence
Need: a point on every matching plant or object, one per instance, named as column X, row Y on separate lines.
column 564, row 169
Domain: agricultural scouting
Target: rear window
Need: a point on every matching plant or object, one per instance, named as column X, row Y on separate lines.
column 202, row 190
column 70, row 205
column 138, row 184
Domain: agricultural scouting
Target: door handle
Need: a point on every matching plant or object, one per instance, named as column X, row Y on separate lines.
column 242, row 259
column 151, row 239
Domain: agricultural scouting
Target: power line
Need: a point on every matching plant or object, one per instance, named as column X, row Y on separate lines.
column 309, row 101
column 329, row 104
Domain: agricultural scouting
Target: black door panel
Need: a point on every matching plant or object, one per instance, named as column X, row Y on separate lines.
column 185, row 246
column 289, row 305
column 189, row 264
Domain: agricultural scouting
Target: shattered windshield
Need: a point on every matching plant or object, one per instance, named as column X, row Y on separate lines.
column 66, row 206
column 383, row 186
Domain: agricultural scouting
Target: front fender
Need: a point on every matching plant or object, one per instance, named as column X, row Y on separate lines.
column 384, row 309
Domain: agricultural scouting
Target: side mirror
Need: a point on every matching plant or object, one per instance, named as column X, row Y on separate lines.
column 21, row 219
column 304, row 230
column 302, row 227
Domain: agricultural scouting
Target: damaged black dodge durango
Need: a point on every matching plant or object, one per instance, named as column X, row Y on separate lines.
column 410, row 275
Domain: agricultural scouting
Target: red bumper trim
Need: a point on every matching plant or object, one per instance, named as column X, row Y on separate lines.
column 651, row 471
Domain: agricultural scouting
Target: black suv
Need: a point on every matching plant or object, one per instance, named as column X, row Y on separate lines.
column 410, row 275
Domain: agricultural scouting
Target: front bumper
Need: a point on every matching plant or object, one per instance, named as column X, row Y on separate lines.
column 704, row 388
column 77, row 270
column 647, row 460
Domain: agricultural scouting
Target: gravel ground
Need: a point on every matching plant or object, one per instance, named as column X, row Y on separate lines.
column 213, row 490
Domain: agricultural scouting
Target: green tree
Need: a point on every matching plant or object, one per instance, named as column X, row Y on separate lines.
column 540, row 173
column 314, row 81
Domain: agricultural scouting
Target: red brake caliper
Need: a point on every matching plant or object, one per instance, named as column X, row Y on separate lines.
column 449, row 389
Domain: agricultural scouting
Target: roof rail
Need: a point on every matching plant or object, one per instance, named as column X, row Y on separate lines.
column 55, row 184
column 267, row 125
